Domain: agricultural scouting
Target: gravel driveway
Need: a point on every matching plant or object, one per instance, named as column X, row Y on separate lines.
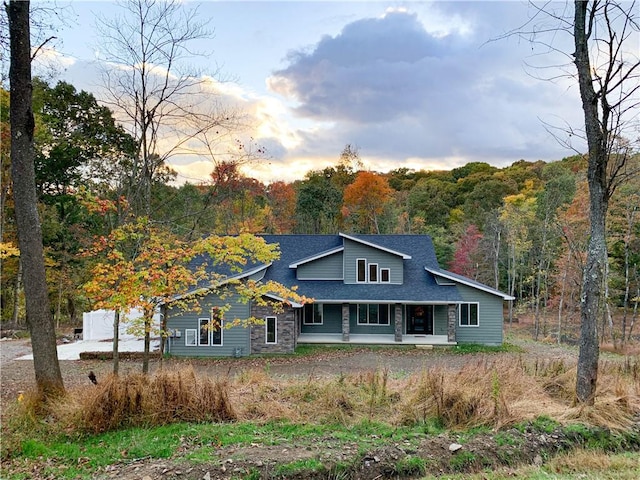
column 17, row 375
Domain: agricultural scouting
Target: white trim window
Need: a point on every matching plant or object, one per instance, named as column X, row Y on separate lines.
column 469, row 314
column 209, row 332
column 217, row 327
column 191, row 337
column 361, row 270
column 205, row 331
column 385, row 275
column 373, row 273
column 271, row 330
column 313, row 314
column 374, row 314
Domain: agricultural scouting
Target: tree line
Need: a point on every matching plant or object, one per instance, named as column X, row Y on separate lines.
column 522, row 229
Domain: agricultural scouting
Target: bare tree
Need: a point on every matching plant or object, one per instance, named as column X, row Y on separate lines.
column 160, row 99
column 39, row 318
column 605, row 64
column 609, row 78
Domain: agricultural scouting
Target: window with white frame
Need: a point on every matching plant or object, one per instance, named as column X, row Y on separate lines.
column 469, row 316
column 209, row 331
column 385, row 275
column 373, row 273
column 313, row 314
column 191, row 337
column 361, row 270
column 205, row 331
column 217, row 325
column 373, row 314
column 271, row 330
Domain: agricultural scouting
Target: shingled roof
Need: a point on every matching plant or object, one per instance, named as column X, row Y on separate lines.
column 419, row 284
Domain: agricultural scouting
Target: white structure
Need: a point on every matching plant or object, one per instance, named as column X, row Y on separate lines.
column 98, row 325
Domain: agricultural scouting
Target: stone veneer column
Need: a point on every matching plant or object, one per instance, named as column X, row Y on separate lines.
column 397, row 325
column 451, row 326
column 345, row 322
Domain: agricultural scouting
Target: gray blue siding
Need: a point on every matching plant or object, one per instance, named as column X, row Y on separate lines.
column 234, row 340
column 325, row 268
column 354, row 251
column 491, row 321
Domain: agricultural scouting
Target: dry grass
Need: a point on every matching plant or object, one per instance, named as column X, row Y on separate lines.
column 492, row 392
column 589, row 462
column 166, row 397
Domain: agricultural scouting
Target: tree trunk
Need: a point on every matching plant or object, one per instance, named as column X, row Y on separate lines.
column 39, row 318
column 116, row 341
column 148, row 322
column 598, row 200
column 16, row 295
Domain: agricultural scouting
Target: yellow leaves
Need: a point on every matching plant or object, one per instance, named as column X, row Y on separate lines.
column 8, row 250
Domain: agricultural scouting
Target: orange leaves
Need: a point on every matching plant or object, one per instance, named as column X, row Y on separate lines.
column 365, row 200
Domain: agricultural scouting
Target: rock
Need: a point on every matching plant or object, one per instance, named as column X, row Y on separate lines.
column 537, row 460
column 147, row 477
column 454, row 447
column 207, row 476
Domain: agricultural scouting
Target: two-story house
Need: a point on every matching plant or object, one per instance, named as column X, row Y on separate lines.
column 371, row 289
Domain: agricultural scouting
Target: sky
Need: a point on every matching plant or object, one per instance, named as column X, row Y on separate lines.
column 413, row 84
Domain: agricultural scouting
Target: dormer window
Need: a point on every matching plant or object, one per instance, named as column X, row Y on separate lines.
column 385, row 275
column 361, row 270
column 371, row 272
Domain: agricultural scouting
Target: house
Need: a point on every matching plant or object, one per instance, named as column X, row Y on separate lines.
column 372, row 289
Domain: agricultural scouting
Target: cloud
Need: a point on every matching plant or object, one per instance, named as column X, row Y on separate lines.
column 397, row 86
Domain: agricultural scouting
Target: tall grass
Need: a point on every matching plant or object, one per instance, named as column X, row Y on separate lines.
column 139, row 400
column 492, row 392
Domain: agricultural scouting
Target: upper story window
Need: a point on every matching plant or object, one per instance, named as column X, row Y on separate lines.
column 361, row 270
column 371, row 272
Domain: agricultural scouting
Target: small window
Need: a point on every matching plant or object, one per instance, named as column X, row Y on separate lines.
column 271, row 330
column 205, row 331
column 373, row 272
column 191, row 337
column 469, row 315
column 217, row 324
column 361, row 270
column 313, row 314
column 385, row 275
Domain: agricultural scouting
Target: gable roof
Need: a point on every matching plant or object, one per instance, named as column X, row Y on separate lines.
column 421, row 271
column 416, row 252
column 467, row 281
column 379, row 247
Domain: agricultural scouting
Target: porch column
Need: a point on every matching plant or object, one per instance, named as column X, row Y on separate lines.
column 451, row 325
column 345, row 322
column 397, row 325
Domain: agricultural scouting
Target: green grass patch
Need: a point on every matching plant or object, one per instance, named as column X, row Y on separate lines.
column 411, row 466
column 298, row 467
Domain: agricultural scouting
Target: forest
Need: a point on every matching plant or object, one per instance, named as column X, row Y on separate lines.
column 522, row 229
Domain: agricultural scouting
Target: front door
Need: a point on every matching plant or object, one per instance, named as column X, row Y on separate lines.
column 420, row 321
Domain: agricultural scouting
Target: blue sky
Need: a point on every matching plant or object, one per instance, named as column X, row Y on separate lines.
column 411, row 84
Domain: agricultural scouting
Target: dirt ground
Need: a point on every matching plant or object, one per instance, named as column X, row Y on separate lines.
column 238, row 462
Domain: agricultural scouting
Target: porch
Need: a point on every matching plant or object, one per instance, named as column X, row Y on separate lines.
column 373, row 339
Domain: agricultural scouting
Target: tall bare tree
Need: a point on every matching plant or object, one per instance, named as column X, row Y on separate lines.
column 155, row 93
column 605, row 63
column 39, row 318
column 605, row 34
